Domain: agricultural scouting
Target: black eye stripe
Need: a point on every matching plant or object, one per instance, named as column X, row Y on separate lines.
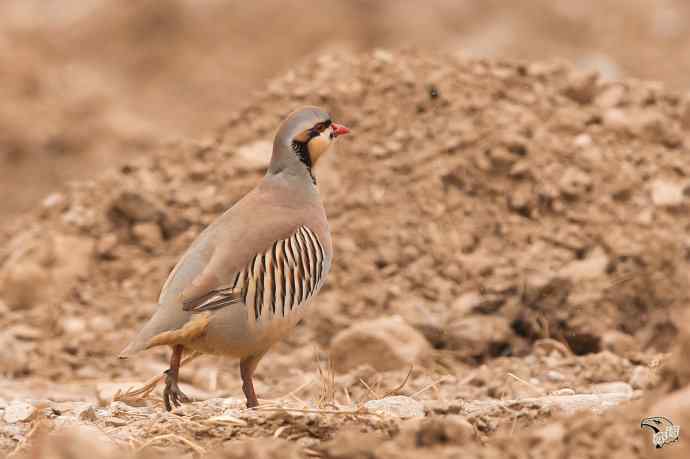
column 320, row 127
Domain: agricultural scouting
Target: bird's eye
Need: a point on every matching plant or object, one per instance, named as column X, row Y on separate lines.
column 320, row 127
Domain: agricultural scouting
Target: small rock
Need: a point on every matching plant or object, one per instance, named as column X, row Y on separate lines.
column 591, row 267
column 396, row 406
column 478, row 335
column 255, row 155
column 617, row 387
column 148, row 234
column 616, row 119
column 594, row 402
column 388, row 343
column 135, row 207
column 582, row 88
column 101, row 324
column 619, row 343
column 54, row 200
column 87, row 413
column 106, row 245
column 73, row 325
column 600, row 63
column 383, row 56
column 554, row 376
column 611, row 96
column 563, row 392
column 574, row 182
column 18, row 411
column 466, row 303
column 422, row 317
column 643, row 378
column 443, row 407
column 582, row 140
column 667, row 194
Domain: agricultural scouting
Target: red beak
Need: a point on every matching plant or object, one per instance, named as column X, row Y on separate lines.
column 339, row 129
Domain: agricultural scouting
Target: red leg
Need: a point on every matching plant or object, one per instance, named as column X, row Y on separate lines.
column 247, row 367
column 172, row 395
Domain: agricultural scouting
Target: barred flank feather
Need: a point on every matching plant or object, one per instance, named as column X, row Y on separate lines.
column 288, row 274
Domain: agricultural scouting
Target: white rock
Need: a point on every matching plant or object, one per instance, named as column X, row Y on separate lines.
column 73, row 325
column 592, row 267
column 552, row 375
column 643, row 377
column 396, row 406
column 18, row 411
column 582, row 140
column 54, row 200
column 667, row 194
column 256, row 155
column 617, row 387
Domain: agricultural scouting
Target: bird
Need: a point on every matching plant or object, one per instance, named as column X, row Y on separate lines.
column 663, row 430
column 246, row 280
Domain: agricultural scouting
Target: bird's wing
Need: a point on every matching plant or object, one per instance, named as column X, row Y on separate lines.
column 281, row 276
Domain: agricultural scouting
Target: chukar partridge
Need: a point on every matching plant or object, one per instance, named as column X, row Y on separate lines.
column 246, row 280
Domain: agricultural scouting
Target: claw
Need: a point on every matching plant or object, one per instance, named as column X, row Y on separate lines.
column 172, row 395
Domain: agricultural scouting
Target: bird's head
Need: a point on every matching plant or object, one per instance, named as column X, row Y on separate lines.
column 303, row 138
column 655, row 423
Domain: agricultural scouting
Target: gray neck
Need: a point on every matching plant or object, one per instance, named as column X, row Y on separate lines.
column 286, row 160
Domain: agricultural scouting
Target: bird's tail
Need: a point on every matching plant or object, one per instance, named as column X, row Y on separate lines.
column 158, row 323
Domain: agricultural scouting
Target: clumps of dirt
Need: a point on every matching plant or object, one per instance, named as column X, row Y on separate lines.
column 525, row 222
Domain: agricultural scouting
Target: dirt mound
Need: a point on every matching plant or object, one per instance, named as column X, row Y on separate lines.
column 87, row 85
column 539, row 203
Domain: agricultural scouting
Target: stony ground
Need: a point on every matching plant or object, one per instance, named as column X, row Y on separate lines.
column 510, row 278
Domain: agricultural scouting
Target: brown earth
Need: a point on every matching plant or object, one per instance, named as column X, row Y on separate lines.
column 523, row 226
column 88, row 85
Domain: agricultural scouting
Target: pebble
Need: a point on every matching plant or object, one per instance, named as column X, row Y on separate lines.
column 18, row 411
column 255, row 155
column 667, row 194
column 552, row 375
column 148, row 234
column 398, row 406
column 616, row 387
column 643, row 378
column 591, row 267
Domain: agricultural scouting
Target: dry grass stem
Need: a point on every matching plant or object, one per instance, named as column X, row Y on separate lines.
column 426, row 388
column 198, row 449
column 138, row 397
column 537, row 389
column 400, row 387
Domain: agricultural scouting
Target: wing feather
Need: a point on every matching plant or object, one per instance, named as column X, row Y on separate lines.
column 282, row 277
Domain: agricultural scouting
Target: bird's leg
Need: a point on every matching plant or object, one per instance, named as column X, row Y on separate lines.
column 172, row 395
column 247, row 367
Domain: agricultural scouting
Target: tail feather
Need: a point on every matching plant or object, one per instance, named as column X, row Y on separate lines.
column 167, row 318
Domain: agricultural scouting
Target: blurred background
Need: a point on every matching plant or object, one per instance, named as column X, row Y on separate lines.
column 518, row 232
column 88, row 84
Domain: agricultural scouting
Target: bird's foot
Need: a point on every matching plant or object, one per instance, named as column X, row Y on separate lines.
column 252, row 403
column 250, row 395
column 172, row 395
